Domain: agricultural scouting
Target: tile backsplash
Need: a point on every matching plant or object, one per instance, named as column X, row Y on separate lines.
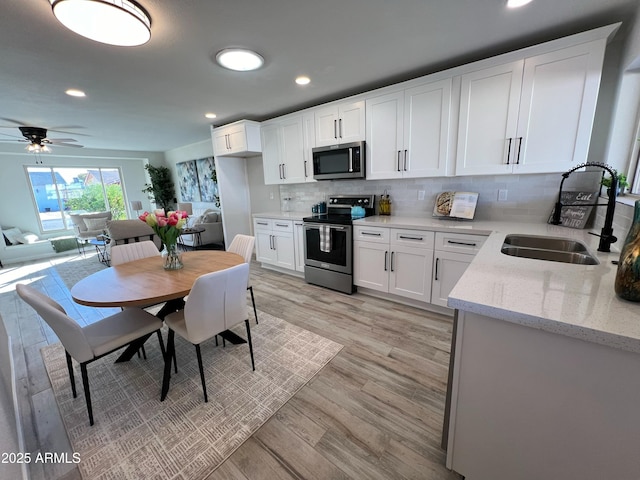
column 530, row 198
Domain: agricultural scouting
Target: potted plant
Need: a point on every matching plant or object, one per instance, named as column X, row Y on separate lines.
column 622, row 183
column 161, row 190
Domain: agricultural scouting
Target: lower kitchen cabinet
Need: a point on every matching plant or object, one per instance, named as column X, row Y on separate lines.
column 298, row 239
column 274, row 242
column 452, row 255
column 393, row 260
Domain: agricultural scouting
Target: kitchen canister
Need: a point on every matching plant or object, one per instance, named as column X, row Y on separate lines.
column 627, row 284
column 384, row 204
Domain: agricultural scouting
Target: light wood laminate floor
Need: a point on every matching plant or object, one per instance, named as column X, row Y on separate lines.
column 374, row 412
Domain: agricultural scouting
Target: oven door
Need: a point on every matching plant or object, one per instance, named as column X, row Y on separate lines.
column 339, row 257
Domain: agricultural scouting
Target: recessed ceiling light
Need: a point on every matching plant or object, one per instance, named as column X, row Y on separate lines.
column 114, row 22
column 517, row 3
column 74, row 92
column 210, row 115
column 239, row 59
column 302, row 80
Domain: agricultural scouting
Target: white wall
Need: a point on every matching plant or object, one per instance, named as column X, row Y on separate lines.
column 264, row 198
column 19, row 208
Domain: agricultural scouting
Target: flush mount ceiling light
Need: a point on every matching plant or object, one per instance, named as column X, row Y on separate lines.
column 74, row 92
column 239, row 59
column 517, row 3
column 210, row 115
column 115, row 22
column 303, row 80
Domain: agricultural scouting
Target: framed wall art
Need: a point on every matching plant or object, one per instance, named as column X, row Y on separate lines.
column 188, row 181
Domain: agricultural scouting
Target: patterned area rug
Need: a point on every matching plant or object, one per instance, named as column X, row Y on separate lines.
column 136, row 436
column 73, row 269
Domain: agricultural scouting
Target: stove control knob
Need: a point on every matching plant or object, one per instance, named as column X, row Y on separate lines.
column 359, row 200
column 366, row 200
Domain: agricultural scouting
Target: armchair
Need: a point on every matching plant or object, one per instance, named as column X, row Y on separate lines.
column 89, row 225
column 129, row 231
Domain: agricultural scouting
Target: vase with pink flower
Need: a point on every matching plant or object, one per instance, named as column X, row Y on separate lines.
column 168, row 227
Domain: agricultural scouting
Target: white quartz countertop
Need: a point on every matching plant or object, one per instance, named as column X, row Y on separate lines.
column 574, row 300
column 282, row 215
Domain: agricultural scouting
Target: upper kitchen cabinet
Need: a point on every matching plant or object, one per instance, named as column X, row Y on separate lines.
column 340, row 123
column 530, row 116
column 238, row 139
column 408, row 132
column 286, row 149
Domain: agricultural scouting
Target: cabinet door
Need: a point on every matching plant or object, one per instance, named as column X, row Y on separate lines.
column 284, row 250
column 427, row 113
column 326, row 123
column 264, row 247
column 447, row 270
column 559, row 95
column 351, row 122
column 410, row 272
column 298, row 238
column 309, row 132
column 271, row 155
column 384, row 136
column 371, row 265
column 237, row 137
column 220, row 145
column 292, row 138
column 489, row 105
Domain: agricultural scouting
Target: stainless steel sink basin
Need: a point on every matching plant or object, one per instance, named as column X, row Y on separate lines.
column 545, row 243
column 551, row 255
column 552, row 249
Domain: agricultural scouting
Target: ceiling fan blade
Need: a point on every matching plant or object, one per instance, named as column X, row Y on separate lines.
column 17, row 122
column 58, row 140
column 58, row 130
column 67, row 145
column 12, row 136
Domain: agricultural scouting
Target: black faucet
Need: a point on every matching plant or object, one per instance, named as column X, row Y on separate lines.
column 606, row 234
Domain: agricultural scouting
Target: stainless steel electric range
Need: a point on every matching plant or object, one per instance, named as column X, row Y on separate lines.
column 328, row 242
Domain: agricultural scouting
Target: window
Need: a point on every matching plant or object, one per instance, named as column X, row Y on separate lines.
column 58, row 191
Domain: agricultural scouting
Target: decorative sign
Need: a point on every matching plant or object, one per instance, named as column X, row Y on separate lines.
column 577, row 208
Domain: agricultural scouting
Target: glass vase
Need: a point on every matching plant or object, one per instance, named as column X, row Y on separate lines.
column 627, row 285
column 172, row 257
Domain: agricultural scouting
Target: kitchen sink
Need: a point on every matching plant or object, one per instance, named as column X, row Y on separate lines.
column 552, row 249
column 545, row 243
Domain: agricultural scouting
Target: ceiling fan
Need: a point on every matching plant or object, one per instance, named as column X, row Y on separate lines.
column 37, row 139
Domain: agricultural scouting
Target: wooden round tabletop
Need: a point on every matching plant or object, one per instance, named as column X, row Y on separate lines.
column 144, row 282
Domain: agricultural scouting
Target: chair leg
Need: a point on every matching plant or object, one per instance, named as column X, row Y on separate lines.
column 144, row 353
column 253, row 301
column 71, row 377
column 87, row 394
column 160, row 342
column 204, row 386
column 253, row 365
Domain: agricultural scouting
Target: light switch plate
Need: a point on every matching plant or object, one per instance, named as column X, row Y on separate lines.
column 502, row 195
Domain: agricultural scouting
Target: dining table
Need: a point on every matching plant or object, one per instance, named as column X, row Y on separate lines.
column 145, row 282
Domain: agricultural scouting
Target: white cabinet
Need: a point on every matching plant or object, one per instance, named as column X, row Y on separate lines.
column 453, row 254
column 240, row 138
column 286, row 149
column 394, row 260
column 298, row 238
column 340, row 123
column 532, row 115
column 274, row 242
column 408, row 131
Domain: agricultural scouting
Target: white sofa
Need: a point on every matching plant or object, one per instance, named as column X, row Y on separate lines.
column 22, row 252
column 211, row 221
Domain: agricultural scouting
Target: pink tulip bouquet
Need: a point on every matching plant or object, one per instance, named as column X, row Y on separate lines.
column 167, row 227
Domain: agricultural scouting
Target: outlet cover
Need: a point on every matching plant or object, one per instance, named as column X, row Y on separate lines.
column 502, row 195
column 420, row 194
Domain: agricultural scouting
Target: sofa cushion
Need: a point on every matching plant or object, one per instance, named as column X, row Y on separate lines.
column 13, row 235
column 78, row 219
column 28, row 237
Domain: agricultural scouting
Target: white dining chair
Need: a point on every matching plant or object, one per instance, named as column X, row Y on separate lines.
column 243, row 246
column 86, row 344
column 217, row 302
column 128, row 252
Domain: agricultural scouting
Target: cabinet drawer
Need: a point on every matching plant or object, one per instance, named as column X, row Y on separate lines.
column 282, row 225
column 371, row 234
column 459, row 242
column 262, row 224
column 412, row 238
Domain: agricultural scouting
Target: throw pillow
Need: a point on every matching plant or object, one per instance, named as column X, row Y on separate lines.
column 96, row 223
column 28, row 237
column 12, row 234
column 6, row 241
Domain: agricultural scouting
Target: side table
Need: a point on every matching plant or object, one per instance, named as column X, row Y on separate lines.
column 195, row 233
column 101, row 248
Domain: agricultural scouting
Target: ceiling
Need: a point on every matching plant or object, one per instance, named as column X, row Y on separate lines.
column 154, row 97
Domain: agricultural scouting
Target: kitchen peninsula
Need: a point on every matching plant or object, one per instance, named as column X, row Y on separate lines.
column 545, row 380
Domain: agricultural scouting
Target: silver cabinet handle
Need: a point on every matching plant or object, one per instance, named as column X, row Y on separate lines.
column 436, row 269
column 386, row 254
column 392, row 260
column 462, row 243
column 284, row 176
column 405, row 237
column 335, row 129
column 305, row 169
column 371, row 234
column 340, row 127
column 398, row 166
column 405, row 160
column 280, row 171
column 282, row 224
column 262, row 223
column 275, row 245
column 298, row 224
column 519, row 148
column 509, row 150
column 228, row 140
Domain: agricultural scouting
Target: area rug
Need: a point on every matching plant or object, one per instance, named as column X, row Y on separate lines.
column 74, row 269
column 135, row 436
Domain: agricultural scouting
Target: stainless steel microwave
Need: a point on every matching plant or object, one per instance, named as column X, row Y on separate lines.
column 343, row 161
